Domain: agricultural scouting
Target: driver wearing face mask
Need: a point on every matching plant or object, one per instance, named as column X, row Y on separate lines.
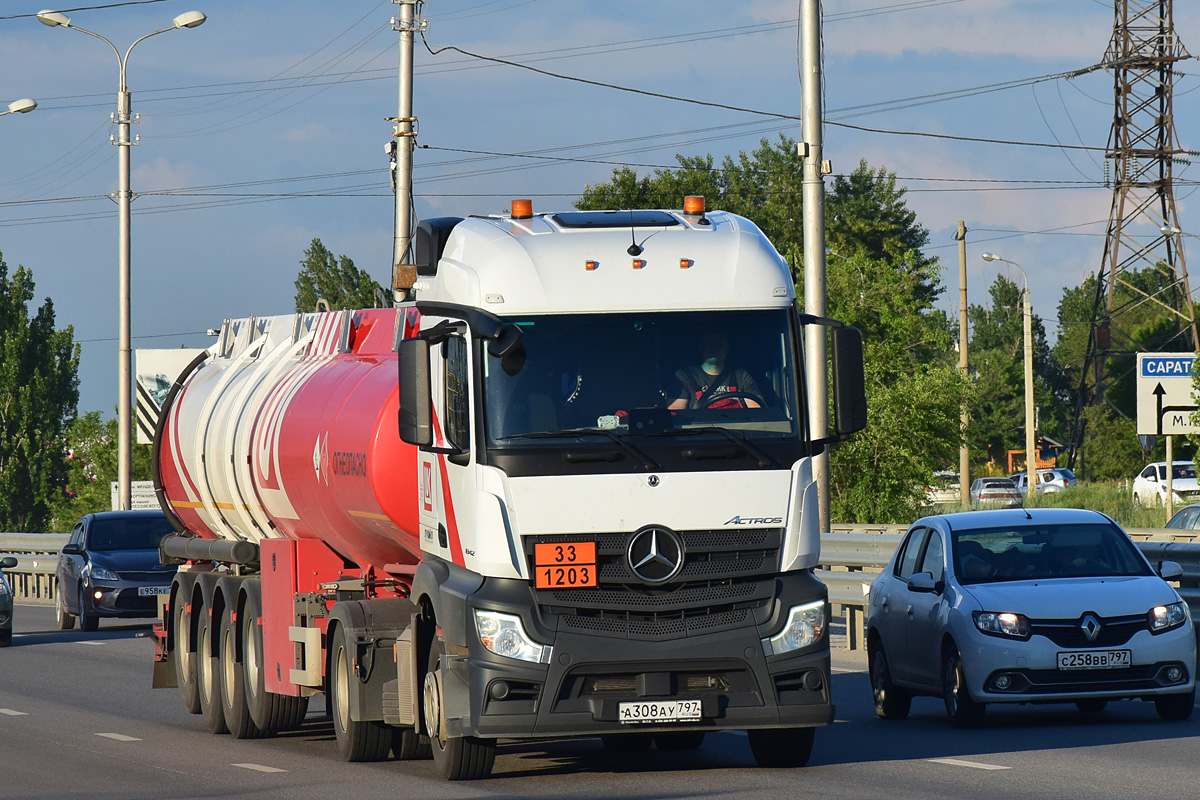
column 712, row 384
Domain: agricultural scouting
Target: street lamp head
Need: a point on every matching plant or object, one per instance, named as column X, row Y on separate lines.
column 190, row 19
column 23, row 106
column 991, row 257
column 54, row 19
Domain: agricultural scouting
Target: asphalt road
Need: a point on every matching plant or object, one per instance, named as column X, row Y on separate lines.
column 78, row 718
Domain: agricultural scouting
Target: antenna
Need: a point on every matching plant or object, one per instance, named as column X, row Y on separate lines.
column 634, row 249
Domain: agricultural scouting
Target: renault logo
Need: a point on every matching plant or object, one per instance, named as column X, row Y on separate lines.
column 655, row 555
column 1090, row 627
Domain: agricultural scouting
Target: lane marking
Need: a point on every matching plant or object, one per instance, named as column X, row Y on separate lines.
column 8, row 712
column 119, row 737
column 956, row 762
column 93, row 644
column 258, row 767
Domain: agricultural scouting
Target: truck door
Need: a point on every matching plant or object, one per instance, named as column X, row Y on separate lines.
column 443, row 468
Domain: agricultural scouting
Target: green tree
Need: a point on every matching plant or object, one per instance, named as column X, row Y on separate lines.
column 334, row 279
column 39, row 393
column 876, row 279
column 92, row 469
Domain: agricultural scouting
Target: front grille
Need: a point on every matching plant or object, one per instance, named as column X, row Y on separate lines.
column 159, row 577
column 1114, row 631
column 726, row 575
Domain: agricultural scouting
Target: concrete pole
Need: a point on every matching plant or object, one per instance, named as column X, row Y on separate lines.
column 1030, row 413
column 124, row 351
column 403, row 275
column 964, row 452
column 814, row 241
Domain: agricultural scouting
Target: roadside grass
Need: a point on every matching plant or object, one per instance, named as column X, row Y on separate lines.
column 1108, row 497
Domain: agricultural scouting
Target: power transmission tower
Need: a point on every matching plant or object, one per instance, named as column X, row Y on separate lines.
column 1143, row 227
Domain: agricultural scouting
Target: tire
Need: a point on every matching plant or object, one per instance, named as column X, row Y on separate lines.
column 1092, row 705
column 62, row 619
column 457, row 758
column 366, row 740
column 185, row 658
column 208, row 675
column 679, row 740
column 891, row 702
column 409, row 745
column 1175, row 707
column 627, row 742
column 781, row 747
column 234, row 707
column 270, row 712
column 960, row 708
column 88, row 621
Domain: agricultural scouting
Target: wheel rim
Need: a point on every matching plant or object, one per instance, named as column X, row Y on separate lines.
column 59, row 611
column 433, row 708
column 181, row 639
column 203, row 672
column 341, row 689
column 229, row 665
column 878, row 665
column 952, row 686
column 250, row 660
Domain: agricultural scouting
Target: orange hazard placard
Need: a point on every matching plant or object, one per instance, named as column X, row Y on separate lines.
column 564, row 565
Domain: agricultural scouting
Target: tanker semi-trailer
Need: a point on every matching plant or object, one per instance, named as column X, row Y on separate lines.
column 567, row 491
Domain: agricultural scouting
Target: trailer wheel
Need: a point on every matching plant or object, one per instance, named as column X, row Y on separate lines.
column 270, row 712
column 781, row 747
column 62, row 619
column 366, row 740
column 185, row 659
column 408, row 744
column 208, row 676
column 234, row 707
column 455, row 758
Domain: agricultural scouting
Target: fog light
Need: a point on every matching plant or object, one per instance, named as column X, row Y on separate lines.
column 1174, row 674
column 1003, row 682
column 98, row 594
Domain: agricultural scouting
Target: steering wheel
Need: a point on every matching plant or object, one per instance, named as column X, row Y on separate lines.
column 721, row 396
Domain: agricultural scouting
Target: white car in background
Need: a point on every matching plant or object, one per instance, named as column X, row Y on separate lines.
column 1150, row 486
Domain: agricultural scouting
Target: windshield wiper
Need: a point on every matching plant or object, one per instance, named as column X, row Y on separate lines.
column 764, row 460
column 573, row 432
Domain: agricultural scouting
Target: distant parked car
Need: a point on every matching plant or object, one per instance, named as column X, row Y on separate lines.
column 944, row 490
column 6, row 602
column 1150, row 486
column 1054, row 479
column 110, row 568
column 995, row 493
column 1048, row 605
column 1186, row 518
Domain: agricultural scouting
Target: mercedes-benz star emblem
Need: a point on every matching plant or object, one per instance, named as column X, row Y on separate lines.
column 1090, row 627
column 655, row 555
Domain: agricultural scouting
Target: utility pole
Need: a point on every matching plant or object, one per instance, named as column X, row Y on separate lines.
column 964, row 452
column 813, row 197
column 404, row 273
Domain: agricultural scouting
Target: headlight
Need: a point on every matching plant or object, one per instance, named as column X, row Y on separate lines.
column 1003, row 624
column 504, row 635
column 1163, row 618
column 805, row 626
column 102, row 574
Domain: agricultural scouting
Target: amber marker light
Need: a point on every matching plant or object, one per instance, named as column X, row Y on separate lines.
column 638, row 263
column 685, row 263
column 693, row 205
column 590, row 265
column 522, row 209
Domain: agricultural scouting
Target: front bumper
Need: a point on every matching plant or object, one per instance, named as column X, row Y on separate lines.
column 120, row 599
column 1026, row 672
column 589, row 675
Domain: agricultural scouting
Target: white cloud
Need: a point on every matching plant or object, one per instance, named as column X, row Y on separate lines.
column 163, row 174
column 307, row 132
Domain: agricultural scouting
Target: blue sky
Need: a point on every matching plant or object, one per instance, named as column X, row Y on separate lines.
column 262, row 101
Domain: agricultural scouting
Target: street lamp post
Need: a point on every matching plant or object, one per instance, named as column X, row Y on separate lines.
column 1030, row 414
column 188, row 19
column 20, row 107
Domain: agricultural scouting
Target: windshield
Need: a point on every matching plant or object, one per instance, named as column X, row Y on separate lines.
column 128, row 533
column 1054, row 551
column 644, row 374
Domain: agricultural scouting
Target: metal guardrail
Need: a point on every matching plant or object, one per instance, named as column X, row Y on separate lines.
column 852, row 556
column 32, row 578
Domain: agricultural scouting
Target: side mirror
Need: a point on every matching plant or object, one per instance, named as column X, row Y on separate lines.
column 416, row 415
column 922, row 582
column 849, row 392
column 8, row 562
column 1170, row 570
column 72, row 550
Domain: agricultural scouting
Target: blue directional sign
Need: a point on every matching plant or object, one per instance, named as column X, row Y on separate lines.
column 1165, row 398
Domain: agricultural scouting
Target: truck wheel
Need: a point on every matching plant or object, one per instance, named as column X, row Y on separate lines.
column 88, row 621
column 208, row 676
column 366, row 740
column 185, row 659
column 891, row 702
column 781, row 747
column 455, row 758
column 409, row 745
column 233, row 695
column 62, row 619
column 679, row 740
column 270, row 712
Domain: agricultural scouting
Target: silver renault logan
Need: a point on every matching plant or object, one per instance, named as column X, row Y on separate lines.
column 1047, row 605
